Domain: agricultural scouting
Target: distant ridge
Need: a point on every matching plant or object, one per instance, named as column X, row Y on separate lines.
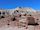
column 21, row 10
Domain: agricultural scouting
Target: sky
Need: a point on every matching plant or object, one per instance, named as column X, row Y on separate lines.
column 8, row 4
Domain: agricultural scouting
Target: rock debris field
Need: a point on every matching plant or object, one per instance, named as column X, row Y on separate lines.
column 16, row 23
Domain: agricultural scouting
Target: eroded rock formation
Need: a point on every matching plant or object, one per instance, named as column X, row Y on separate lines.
column 21, row 17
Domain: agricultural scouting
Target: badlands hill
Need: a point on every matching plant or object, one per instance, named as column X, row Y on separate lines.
column 20, row 17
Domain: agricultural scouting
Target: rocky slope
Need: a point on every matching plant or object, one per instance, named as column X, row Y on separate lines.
column 21, row 18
